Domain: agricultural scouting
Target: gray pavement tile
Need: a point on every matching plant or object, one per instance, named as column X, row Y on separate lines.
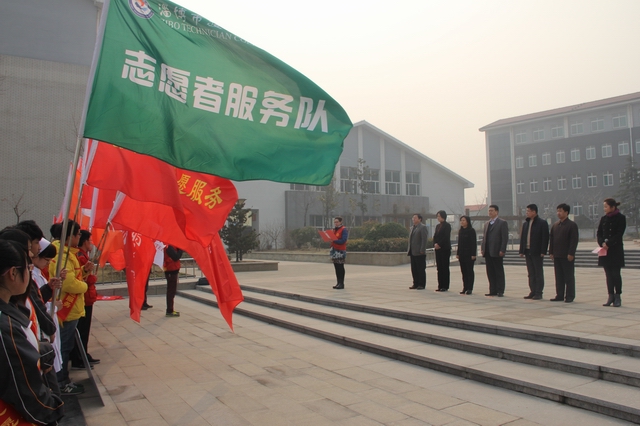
column 137, row 409
column 339, row 395
column 358, row 421
column 330, row 409
column 480, row 415
column 240, row 403
column 429, row 398
column 377, row 412
column 359, row 373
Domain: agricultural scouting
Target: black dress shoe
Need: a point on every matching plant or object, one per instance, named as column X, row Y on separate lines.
column 92, row 360
column 420, row 288
column 336, row 286
column 530, row 296
column 568, row 300
column 500, row 295
column 463, row 292
column 537, row 297
column 413, row 287
column 469, row 292
column 146, row 306
column 339, row 286
column 491, row 294
column 557, row 299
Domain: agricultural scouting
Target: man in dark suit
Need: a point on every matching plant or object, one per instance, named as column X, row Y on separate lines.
column 442, row 246
column 418, row 251
column 494, row 246
column 534, row 240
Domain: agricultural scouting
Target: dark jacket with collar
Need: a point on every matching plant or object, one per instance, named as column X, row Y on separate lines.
column 611, row 230
column 539, row 236
column 22, row 384
column 442, row 236
column 495, row 238
column 467, row 243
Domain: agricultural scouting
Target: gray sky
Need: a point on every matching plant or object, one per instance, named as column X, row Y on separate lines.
column 431, row 73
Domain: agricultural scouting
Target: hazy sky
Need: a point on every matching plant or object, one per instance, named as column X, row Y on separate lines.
column 431, row 73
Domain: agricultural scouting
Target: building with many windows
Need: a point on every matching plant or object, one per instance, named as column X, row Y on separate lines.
column 572, row 155
column 395, row 179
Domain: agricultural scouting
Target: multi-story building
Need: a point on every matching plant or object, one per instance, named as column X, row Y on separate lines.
column 572, row 155
column 395, row 179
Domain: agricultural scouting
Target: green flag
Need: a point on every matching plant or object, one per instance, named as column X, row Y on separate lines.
column 170, row 84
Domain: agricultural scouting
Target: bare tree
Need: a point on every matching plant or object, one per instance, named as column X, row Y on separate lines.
column 15, row 203
column 329, row 200
column 272, row 233
column 305, row 200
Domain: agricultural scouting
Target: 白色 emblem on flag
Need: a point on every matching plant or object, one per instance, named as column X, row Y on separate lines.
column 141, row 8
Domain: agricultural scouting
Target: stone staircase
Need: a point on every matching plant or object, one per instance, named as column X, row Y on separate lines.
column 584, row 258
column 601, row 375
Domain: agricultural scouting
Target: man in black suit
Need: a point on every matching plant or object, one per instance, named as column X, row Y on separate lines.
column 442, row 246
column 534, row 240
column 494, row 246
column 418, row 251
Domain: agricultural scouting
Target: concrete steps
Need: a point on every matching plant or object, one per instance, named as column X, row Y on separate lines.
column 598, row 375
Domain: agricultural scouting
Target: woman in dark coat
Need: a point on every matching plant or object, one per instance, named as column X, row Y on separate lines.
column 610, row 233
column 467, row 253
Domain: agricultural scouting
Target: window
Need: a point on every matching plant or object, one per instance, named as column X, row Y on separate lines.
column 392, row 182
column 607, row 179
column 348, row 179
column 538, row 134
column 533, row 160
column 619, row 120
column 557, row 131
column 560, row 157
column 316, row 220
column 521, row 137
column 607, row 151
column 575, row 155
column 637, row 147
column 577, row 209
column 576, row 182
column 520, row 187
column 623, row 148
column 591, row 153
column 546, row 158
column 562, row 183
column 371, row 181
column 533, row 186
column 594, row 211
column 592, row 180
column 576, row 128
column 413, row 183
column 301, row 187
column 519, row 162
column 546, row 184
column 597, row 125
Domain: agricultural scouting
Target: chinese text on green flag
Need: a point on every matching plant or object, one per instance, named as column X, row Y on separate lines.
column 171, row 84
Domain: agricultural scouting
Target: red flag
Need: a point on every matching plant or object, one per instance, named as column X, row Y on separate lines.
column 138, row 252
column 215, row 265
column 201, row 202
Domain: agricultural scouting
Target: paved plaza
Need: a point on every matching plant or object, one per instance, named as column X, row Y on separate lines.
column 193, row 370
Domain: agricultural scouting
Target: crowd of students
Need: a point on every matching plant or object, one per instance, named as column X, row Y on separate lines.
column 38, row 340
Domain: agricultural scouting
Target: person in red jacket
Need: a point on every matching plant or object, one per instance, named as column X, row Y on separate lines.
column 85, row 245
column 338, row 251
column 171, row 268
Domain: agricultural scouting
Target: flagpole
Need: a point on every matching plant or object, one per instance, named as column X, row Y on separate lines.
column 72, row 176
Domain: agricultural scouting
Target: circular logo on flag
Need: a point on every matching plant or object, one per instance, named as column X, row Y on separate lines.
column 141, row 8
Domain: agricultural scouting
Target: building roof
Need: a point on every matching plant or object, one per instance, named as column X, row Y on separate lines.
column 466, row 183
column 563, row 111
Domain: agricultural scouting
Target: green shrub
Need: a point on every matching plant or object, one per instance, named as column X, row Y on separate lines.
column 388, row 230
column 381, row 245
column 305, row 236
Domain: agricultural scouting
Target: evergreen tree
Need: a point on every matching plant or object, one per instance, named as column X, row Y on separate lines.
column 629, row 193
column 238, row 237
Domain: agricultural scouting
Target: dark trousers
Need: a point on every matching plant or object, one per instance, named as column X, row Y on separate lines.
column 442, row 264
column 172, row 287
column 536, row 274
column 565, row 278
column 468, row 276
column 614, row 279
column 339, row 267
column 495, row 274
column 419, row 270
column 67, row 338
column 84, row 328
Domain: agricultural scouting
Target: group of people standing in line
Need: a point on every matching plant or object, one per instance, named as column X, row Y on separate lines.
column 536, row 241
